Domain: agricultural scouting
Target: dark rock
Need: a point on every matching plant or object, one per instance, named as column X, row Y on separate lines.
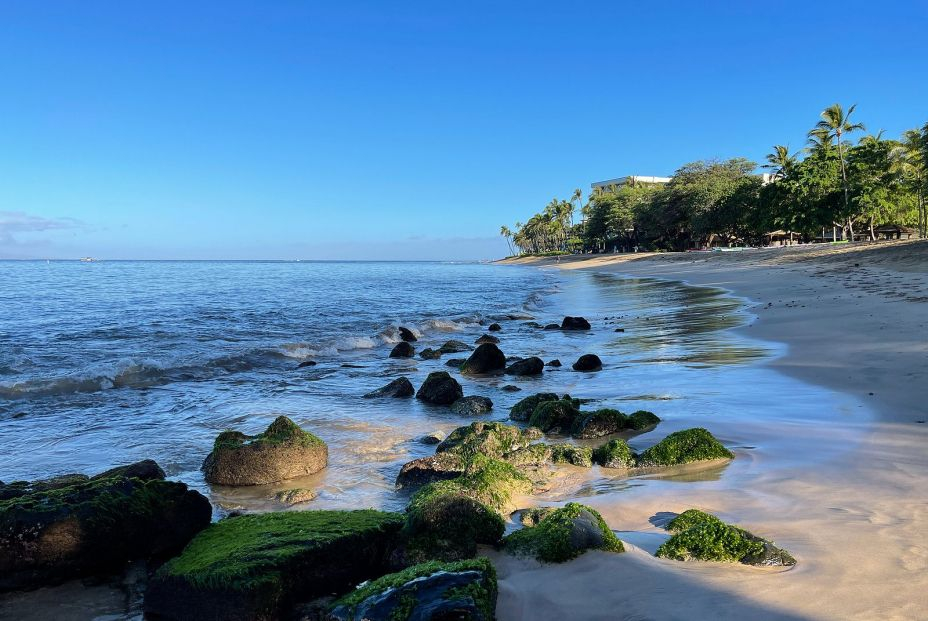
column 495, row 327
column 454, row 347
column 588, row 362
column 407, row 335
column 552, row 326
column 510, row 388
column 527, row 366
column 146, row 470
column 255, row 566
column 524, row 409
column 429, row 354
column 283, row 451
column 487, row 338
column 399, row 388
column 455, row 363
column 439, row 388
column 575, row 323
column 425, row 470
column 431, row 438
column 620, row 329
column 555, row 416
column 533, row 324
column 487, row 358
column 306, row 363
column 471, row 406
column 403, row 350
column 600, row 423
column 553, row 363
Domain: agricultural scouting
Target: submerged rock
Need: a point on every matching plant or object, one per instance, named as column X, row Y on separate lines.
column 398, row 388
column 283, row 451
column 439, row 388
column 487, row 358
column 95, row 526
column 403, row 350
column 552, row 326
column 487, row 338
column 495, row 327
column 683, row 447
column 526, row 366
column 510, row 388
column 430, row 354
column 454, row 347
column 431, row 438
column 553, row 363
column 575, row 323
column 294, row 496
column 455, row 363
column 432, row 591
column 306, row 363
column 588, row 362
column 255, row 566
column 564, row 534
column 407, row 335
column 470, row 406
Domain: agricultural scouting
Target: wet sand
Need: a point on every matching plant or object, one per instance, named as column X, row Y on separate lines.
column 848, row 498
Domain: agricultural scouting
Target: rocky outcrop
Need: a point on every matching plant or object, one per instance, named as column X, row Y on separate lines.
column 487, row 358
column 564, row 534
column 439, row 388
column 55, row 531
column 407, row 335
column 398, row 388
column 471, row 406
column 403, row 350
column 575, row 323
column 283, row 451
column 588, row 362
column 526, row 366
column 253, row 567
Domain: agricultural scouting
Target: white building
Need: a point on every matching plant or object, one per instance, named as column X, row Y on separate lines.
column 611, row 185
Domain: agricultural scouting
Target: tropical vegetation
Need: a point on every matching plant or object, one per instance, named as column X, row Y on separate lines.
column 830, row 190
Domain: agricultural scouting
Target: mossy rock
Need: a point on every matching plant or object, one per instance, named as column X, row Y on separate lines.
column 489, row 439
column 252, row 567
column 471, row 406
column 555, row 416
column 614, row 454
column 523, row 410
column 702, row 536
column 571, row 454
column 425, row 470
column 533, row 455
column 564, row 534
column 534, row 516
column 283, row 451
column 94, row 526
column 683, row 447
column 641, row 420
column 607, row 421
column 463, row 591
column 454, row 347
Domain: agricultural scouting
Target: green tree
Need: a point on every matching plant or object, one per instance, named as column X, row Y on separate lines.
column 836, row 124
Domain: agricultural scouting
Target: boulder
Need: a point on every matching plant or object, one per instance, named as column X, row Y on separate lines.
column 555, row 416
column 614, row 454
column 398, row 388
column 431, row 438
column 553, row 363
column 306, row 363
column 470, row 406
column 455, row 363
column 252, row 567
column 572, row 454
column 146, row 470
column 524, row 409
column 683, row 447
column 564, row 534
column 487, row 358
column 575, row 323
column 494, row 440
column 495, row 327
column 431, row 591
column 283, row 451
column 454, row 347
column 295, row 496
column 602, row 422
column 487, row 338
column 407, row 335
column 439, row 388
column 641, row 420
column 588, row 362
column 95, row 527
column 526, row 366
column 429, row 354
column 425, row 470
column 403, row 350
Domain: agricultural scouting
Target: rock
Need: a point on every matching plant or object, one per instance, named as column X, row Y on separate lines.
column 294, row 496
column 553, row 363
column 455, row 363
column 487, row 358
column 432, row 591
column 487, row 480
column 494, row 440
column 454, row 347
column 526, row 366
column 555, row 416
column 510, row 388
column 146, row 470
column 495, row 327
column 94, row 527
column 425, row 470
column 430, row 354
column 564, row 534
column 702, row 536
column 407, row 335
column 614, row 454
column 524, row 409
column 620, row 329
column 470, row 406
column 487, row 338
column 14, row 489
column 600, row 423
column 683, row 447
column 552, row 326
column 439, row 388
column 588, row 362
column 534, row 516
column 403, row 350
column 431, row 438
column 306, row 363
column 575, row 323
column 641, row 420
column 398, row 388
column 533, row 324
column 254, row 566
column 283, row 451
column 571, row 454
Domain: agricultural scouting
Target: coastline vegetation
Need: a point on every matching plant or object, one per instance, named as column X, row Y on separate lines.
column 828, row 191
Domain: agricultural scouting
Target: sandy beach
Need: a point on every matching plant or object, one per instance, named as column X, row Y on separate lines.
column 854, row 319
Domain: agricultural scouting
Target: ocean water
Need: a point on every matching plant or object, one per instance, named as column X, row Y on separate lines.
column 106, row 363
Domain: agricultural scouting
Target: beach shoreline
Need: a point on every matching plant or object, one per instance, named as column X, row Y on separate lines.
column 850, row 318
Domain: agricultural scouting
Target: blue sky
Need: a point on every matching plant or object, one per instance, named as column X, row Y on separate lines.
column 401, row 130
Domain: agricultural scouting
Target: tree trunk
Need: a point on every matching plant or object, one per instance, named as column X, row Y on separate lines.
column 872, row 236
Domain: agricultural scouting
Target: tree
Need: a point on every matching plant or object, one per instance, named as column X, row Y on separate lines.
column 835, row 124
column 505, row 232
column 780, row 161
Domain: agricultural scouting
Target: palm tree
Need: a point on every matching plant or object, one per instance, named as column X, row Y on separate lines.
column 835, row 124
column 576, row 196
column 505, row 232
column 780, row 161
column 910, row 162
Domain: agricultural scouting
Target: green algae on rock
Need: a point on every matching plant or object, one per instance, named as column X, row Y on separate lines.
column 683, row 447
column 283, row 451
column 253, row 566
column 614, row 454
column 555, row 416
column 489, row 439
column 524, row 409
column 572, row 454
column 704, row 537
column 463, row 590
column 564, row 534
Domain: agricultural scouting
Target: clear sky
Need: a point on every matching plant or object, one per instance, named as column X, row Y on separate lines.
column 402, row 130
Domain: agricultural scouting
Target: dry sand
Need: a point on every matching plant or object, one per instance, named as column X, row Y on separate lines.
column 855, row 320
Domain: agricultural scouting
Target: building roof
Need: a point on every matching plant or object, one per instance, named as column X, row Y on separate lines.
column 629, row 178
